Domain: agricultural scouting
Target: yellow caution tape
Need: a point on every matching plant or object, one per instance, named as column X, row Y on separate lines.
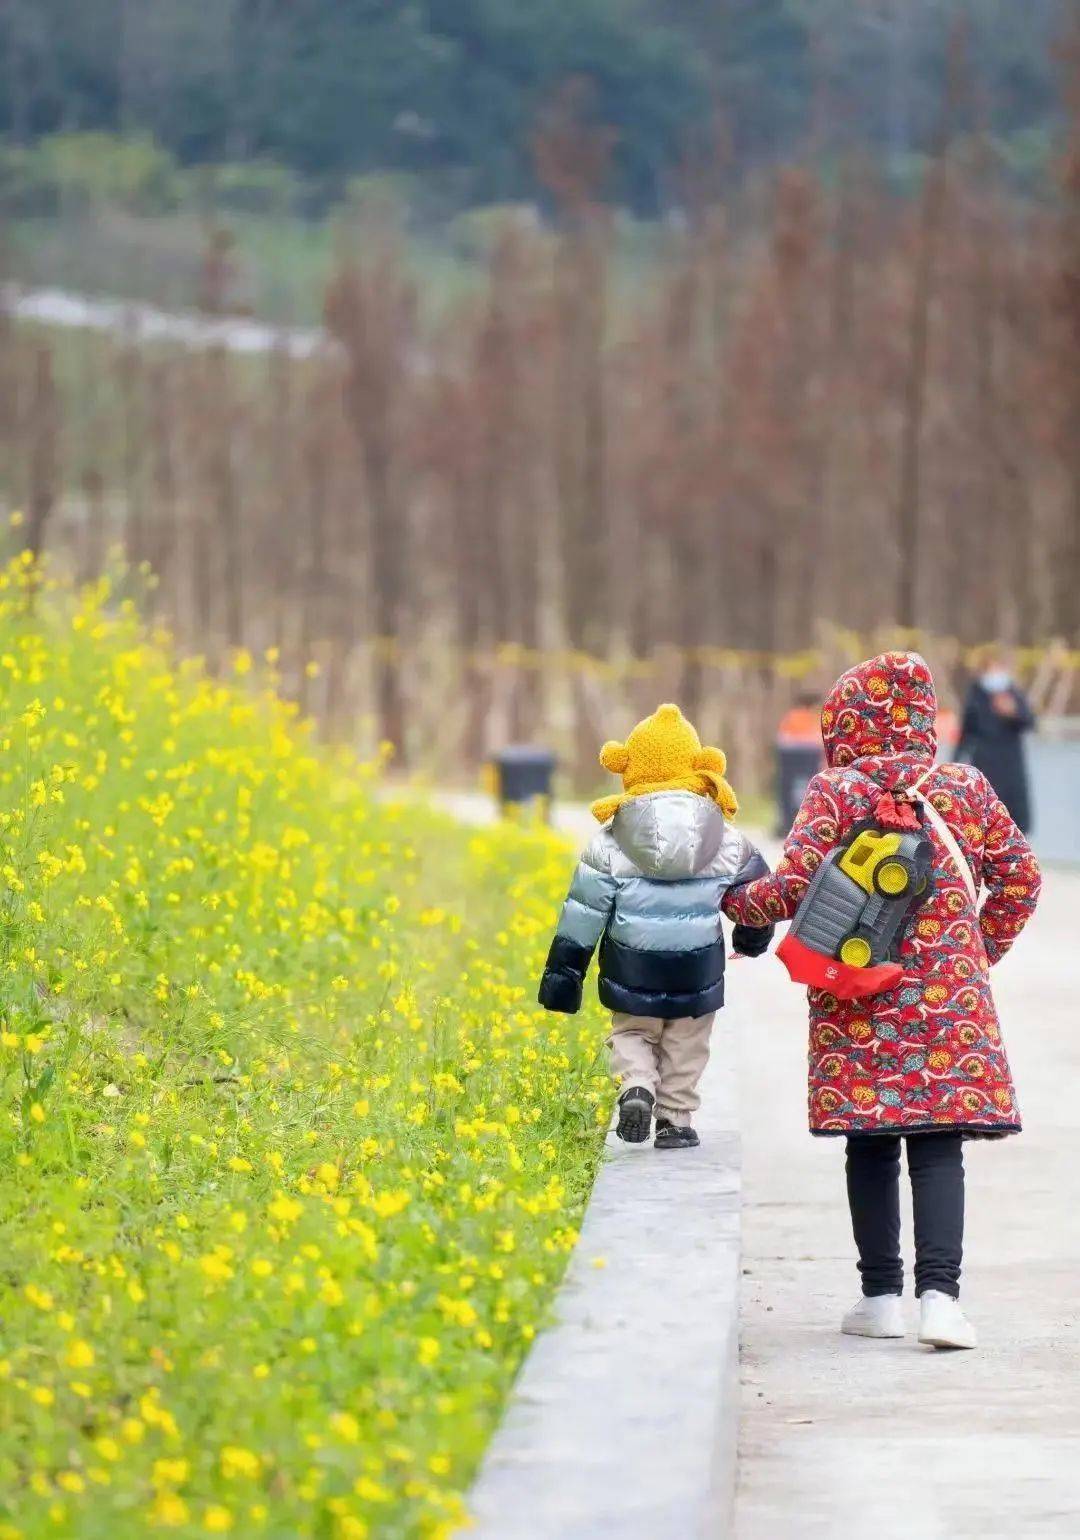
column 787, row 665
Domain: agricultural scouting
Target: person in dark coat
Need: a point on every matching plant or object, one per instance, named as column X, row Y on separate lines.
column 996, row 717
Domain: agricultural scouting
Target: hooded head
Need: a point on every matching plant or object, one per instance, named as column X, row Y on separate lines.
column 886, row 705
column 996, row 672
column 664, row 753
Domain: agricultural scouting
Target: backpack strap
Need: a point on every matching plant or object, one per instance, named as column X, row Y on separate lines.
column 944, row 834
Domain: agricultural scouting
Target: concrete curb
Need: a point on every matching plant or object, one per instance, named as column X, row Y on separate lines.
column 626, row 1411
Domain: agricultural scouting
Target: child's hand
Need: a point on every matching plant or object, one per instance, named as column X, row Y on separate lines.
column 752, row 940
column 560, row 991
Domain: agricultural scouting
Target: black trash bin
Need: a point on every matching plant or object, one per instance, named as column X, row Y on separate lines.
column 796, row 765
column 523, row 778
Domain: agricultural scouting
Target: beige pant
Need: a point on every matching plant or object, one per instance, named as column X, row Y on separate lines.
column 667, row 1057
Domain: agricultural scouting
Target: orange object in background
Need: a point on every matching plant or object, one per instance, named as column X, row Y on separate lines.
column 799, row 755
column 948, row 732
column 802, row 724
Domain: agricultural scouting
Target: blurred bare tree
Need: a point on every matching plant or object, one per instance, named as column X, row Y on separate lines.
column 835, row 410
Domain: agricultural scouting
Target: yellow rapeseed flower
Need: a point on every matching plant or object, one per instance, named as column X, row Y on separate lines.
column 171, row 1472
column 239, row 1462
column 79, row 1354
column 169, row 1511
column 260, row 1160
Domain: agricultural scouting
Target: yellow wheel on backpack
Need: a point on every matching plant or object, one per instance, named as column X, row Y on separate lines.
column 892, row 878
column 855, row 951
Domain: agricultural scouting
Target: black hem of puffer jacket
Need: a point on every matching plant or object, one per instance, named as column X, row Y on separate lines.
column 662, row 973
column 665, row 984
column 668, row 1007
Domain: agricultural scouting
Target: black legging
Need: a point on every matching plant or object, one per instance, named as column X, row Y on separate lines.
column 936, row 1168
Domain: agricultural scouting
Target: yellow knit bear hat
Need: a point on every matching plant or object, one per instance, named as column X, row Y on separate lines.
column 664, row 753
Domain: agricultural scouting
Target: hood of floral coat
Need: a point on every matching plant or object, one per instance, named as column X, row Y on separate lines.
column 884, row 707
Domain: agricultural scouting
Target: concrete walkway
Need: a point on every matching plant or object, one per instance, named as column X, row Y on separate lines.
column 841, row 1436
column 571, row 819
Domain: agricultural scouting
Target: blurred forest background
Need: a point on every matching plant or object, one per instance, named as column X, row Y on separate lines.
column 656, row 348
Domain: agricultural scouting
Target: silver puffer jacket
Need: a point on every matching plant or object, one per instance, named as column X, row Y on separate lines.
column 650, row 888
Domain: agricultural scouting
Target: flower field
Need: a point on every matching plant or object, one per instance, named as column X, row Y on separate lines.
column 292, row 1161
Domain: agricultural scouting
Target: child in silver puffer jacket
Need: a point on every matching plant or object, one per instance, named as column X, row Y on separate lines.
column 650, row 888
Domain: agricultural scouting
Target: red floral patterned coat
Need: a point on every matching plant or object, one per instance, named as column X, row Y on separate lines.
column 927, row 1054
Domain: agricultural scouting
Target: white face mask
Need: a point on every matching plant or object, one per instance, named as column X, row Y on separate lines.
column 995, row 680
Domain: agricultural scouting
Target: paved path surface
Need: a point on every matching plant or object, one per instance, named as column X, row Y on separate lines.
column 570, row 818
column 841, row 1436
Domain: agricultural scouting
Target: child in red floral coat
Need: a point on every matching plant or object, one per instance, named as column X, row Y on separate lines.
column 924, row 1061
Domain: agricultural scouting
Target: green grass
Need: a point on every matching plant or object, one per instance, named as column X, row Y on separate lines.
column 292, row 1160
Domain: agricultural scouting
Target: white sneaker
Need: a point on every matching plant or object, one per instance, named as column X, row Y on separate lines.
column 943, row 1324
column 879, row 1316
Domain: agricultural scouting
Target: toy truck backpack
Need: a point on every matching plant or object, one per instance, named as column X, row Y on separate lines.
column 846, row 931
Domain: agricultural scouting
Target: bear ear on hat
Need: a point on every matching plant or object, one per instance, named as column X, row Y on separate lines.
column 615, row 757
column 711, row 759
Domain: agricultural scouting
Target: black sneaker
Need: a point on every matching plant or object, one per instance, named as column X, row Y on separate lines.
column 635, row 1114
column 675, row 1136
